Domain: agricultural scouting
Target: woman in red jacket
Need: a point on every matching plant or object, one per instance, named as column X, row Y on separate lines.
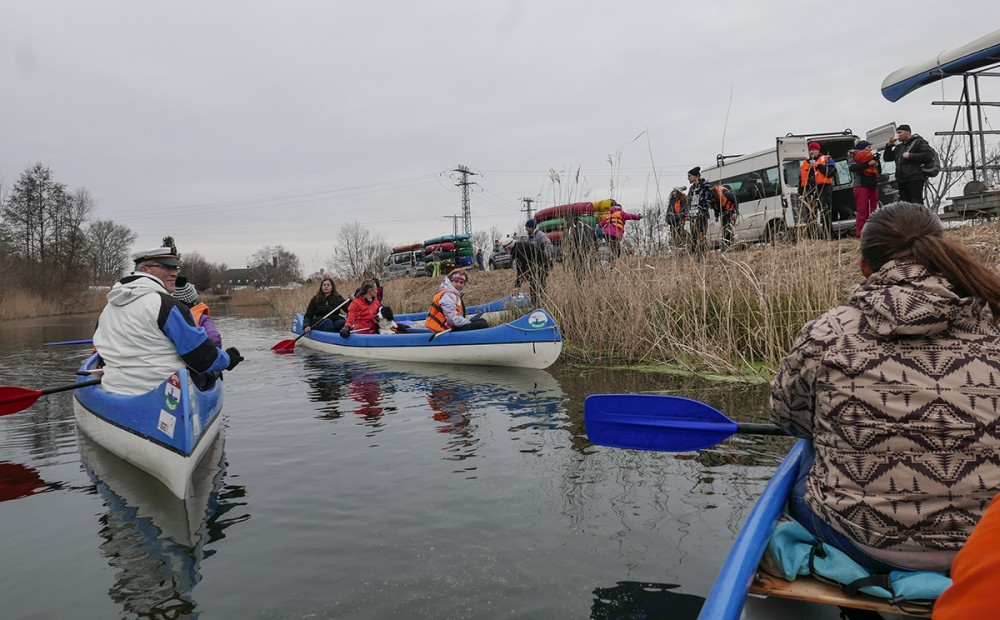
column 361, row 313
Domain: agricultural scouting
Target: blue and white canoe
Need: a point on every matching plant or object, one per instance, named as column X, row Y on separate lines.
column 492, row 311
column 979, row 54
column 729, row 592
column 740, row 574
column 532, row 341
column 164, row 432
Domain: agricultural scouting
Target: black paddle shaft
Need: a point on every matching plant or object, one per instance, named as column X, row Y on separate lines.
column 72, row 386
column 749, row 428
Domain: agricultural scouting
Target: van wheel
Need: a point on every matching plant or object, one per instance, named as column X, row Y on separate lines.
column 776, row 233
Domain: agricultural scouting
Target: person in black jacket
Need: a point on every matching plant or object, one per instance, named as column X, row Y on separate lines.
column 321, row 304
column 910, row 153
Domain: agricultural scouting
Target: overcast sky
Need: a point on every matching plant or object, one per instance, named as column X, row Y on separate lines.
column 236, row 125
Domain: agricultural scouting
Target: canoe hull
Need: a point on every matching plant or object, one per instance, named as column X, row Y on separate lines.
column 164, row 432
column 532, row 341
column 513, row 355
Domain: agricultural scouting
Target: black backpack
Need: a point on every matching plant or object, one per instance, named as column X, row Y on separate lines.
column 933, row 167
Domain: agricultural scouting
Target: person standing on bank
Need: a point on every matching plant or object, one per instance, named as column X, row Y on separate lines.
column 539, row 259
column 898, row 391
column 144, row 335
column 866, row 168
column 816, row 187
column 910, row 153
column 702, row 197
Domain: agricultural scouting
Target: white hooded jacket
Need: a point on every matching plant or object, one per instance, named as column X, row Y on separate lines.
column 144, row 335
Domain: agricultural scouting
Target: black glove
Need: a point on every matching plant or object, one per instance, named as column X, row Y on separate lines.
column 234, row 357
column 345, row 331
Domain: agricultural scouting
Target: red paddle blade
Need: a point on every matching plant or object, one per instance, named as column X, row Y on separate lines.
column 284, row 345
column 14, row 399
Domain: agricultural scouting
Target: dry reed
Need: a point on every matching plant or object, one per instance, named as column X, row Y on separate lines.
column 733, row 313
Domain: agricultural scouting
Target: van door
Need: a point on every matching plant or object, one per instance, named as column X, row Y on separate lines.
column 879, row 137
column 888, row 192
column 792, row 151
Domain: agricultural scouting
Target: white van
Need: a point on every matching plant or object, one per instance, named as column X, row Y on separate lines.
column 404, row 264
column 766, row 183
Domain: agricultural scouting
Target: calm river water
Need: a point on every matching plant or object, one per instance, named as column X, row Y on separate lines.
column 346, row 489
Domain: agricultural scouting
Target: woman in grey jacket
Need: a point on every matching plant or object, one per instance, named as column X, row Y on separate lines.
column 899, row 391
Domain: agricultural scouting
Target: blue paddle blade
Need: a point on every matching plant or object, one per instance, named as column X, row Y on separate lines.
column 654, row 422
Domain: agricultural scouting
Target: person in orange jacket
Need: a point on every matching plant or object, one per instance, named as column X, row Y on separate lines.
column 974, row 592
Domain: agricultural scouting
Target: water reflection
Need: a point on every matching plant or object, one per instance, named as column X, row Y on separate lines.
column 17, row 481
column 154, row 540
column 454, row 395
column 630, row 600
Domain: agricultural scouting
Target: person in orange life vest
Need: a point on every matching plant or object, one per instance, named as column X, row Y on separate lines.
column 973, row 592
column 186, row 293
column 728, row 208
column 361, row 313
column 613, row 226
column 447, row 310
column 677, row 208
column 866, row 168
column 816, row 186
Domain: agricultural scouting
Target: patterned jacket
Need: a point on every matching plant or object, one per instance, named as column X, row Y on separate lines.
column 899, row 391
column 702, row 197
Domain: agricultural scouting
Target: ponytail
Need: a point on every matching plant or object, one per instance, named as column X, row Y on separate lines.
column 907, row 230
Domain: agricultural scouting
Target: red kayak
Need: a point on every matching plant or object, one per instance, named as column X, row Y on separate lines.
column 580, row 208
column 444, row 247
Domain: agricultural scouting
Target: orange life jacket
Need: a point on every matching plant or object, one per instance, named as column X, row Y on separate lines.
column 617, row 220
column 724, row 202
column 197, row 310
column 821, row 179
column 436, row 320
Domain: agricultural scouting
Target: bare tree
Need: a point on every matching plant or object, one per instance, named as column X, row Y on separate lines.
column 107, row 249
column 200, row 272
column 952, row 173
column 358, row 252
column 276, row 266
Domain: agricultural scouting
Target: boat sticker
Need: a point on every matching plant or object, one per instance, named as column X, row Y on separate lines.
column 166, row 423
column 196, row 425
column 538, row 319
column 173, row 392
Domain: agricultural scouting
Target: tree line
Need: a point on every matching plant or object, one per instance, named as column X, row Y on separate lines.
column 49, row 238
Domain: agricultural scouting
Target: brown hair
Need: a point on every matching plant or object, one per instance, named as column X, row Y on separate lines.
column 908, row 230
column 333, row 290
column 365, row 286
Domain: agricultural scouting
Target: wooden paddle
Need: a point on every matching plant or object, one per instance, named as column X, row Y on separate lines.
column 289, row 345
column 14, row 399
column 661, row 423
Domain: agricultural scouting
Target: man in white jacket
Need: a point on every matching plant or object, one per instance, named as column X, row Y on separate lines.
column 144, row 335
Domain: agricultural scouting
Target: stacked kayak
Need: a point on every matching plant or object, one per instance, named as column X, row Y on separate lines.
column 532, row 341
column 453, row 250
column 554, row 221
column 164, row 432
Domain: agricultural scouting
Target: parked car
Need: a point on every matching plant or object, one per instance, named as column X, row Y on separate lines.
column 500, row 259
